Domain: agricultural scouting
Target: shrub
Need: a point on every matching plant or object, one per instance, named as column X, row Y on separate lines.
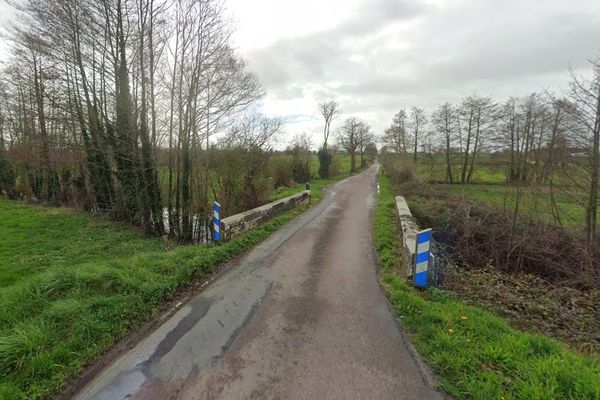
column 400, row 171
column 477, row 235
column 301, row 166
column 282, row 169
column 301, row 158
column 325, row 158
column 335, row 167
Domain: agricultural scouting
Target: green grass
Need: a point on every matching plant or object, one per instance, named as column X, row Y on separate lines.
column 30, row 243
column 488, row 169
column 285, row 191
column 488, row 185
column 535, row 202
column 73, row 285
column 343, row 162
column 475, row 353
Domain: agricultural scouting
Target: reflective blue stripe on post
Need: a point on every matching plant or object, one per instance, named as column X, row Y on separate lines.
column 424, row 236
column 422, row 258
column 217, row 221
column 421, row 279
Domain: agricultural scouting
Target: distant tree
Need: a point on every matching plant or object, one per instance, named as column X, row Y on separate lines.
column 524, row 127
column 349, row 137
column 396, row 136
column 365, row 139
column 371, row 151
column 444, row 121
column 583, row 106
column 329, row 110
column 475, row 113
column 418, row 120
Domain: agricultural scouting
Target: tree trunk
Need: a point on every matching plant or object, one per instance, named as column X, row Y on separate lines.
column 475, row 148
column 592, row 206
column 126, row 137
column 49, row 189
column 463, row 175
column 416, row 147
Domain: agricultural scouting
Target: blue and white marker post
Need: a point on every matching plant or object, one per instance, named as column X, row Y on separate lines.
column 216, row 222
column 422, row 256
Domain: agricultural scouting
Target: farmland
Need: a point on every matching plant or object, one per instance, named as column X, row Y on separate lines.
column 562, row 205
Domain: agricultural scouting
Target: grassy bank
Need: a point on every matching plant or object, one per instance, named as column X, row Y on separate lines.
column 475, row 353
column 73, row 285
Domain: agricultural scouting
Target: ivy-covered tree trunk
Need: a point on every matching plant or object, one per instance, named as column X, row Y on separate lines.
column 126, row 149
column 151, row 201
column 7, row 175
column 49, row 179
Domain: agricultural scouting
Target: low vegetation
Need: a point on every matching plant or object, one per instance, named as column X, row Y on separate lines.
column 476, row 234
column 475, row 353
column 74, row 284
column 539, row 276
column 536, row 203
column 535, row 274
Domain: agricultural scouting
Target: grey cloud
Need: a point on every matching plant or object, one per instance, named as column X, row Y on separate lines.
column 378, row 13
column 431, row 53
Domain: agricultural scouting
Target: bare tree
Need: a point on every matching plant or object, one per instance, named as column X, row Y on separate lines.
column 396, row 136
column 366, row 140
column 444, row 121
column 349, row 137
column 475, row 113
column 583, row 107
column 116, row 87
column 418, row 120
column 329, row 110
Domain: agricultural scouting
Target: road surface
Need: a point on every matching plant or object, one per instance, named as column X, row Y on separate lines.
column 301, row 316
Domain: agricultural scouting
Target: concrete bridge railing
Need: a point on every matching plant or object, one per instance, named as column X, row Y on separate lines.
column 416, row 254
column 239, row 223
column 409, row 229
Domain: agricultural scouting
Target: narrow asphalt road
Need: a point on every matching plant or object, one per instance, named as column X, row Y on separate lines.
column 301, row 316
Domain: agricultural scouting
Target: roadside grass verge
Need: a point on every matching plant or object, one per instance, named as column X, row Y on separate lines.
column 475, row 353
column 91, row 282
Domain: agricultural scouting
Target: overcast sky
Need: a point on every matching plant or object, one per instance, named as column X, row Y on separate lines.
column 377, row 56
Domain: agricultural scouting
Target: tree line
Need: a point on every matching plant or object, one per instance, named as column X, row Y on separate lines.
column 115, row 106
column 544, row 139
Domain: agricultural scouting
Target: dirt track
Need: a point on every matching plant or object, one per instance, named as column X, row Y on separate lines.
column 301, row 316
